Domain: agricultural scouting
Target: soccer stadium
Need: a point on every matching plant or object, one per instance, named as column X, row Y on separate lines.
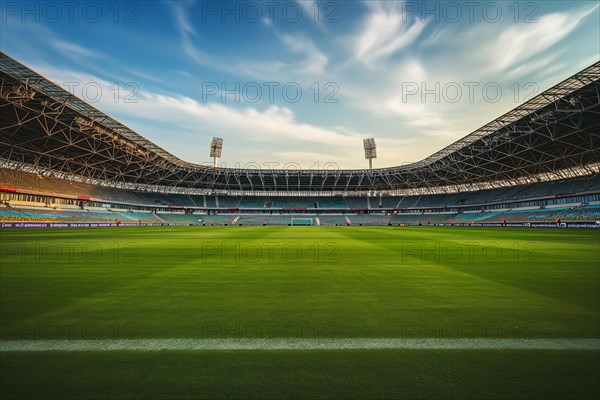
column 127, row 272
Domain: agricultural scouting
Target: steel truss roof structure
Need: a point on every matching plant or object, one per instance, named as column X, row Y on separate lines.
column 46, row 129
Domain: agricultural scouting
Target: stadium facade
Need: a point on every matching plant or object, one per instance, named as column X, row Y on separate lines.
column 60, row 153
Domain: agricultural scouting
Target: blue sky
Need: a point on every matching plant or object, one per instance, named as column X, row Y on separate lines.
column 299, row 84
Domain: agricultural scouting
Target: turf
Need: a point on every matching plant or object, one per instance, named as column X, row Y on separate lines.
column 338, row 282
column 302, row 375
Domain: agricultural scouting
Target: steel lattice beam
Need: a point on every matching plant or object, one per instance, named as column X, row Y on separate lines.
column 43, row 127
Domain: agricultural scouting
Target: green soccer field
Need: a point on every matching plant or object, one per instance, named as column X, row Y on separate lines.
column 318, row 283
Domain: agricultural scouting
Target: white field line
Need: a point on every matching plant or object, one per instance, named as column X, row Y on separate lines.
column 299, row 344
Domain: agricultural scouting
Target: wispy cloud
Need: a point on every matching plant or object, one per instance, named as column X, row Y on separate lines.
column 146, row 76
column 385, row 31
column 70, row 49
column 180, row 12
column 533, row 65
column 522, row 42
column 313, row 61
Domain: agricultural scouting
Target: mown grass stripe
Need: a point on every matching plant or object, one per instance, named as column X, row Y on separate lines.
column 298, row 344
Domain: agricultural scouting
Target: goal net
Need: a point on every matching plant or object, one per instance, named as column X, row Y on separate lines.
column 302, row 221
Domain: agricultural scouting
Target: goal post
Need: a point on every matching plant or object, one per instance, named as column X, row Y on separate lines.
column 302, row 221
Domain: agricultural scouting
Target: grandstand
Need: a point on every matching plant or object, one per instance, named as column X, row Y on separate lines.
column 573, row 200
column 332, row 219
column 543, row 166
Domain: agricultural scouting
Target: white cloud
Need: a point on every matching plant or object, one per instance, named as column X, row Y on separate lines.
column 533, row 65
column 73, row 50
column 314, row 62
column 385, row 31
column 146, row 76
column 521, row 42
column 180, row 12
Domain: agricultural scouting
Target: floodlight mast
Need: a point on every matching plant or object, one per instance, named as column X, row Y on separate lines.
column 370, row 150
column 216, row 148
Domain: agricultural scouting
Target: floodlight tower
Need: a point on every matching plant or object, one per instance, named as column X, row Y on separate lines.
column 216, row 147
column 370, row 150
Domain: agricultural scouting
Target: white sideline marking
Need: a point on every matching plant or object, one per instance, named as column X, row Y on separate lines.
column 299, row 344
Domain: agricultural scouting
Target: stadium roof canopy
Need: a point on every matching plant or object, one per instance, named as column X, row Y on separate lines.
column 46, row 129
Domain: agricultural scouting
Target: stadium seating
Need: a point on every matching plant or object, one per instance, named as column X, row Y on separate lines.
column 252, row 220
column 291, row 202
column 47, row 199
column 253, row 202
column 416, row 218
column 216, row 219
column 408, row 202
column 229, row 201
column 131, row 216
column 477, row 217
column 50, row 215
column 356, row 202
column 191, row 219
column 211, row 201
column 369, row 219
column 285, row 219
column 582, row 213
column 389, row 201
column 272, row 219
column 185, row 200
column 566, row 214
column 336, row 202
column 332, row 219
